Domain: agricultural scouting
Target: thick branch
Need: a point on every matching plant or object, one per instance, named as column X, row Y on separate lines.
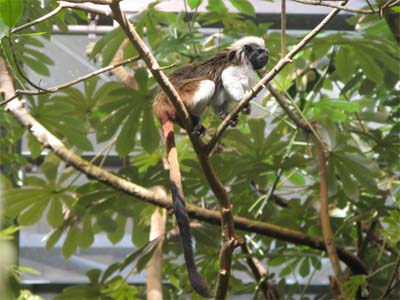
column 152, row 64
column 269, row 76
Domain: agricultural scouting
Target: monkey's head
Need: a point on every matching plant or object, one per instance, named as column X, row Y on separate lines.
column 250, row 49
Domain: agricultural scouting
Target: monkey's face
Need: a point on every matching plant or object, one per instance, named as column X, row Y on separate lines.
column 257, row 56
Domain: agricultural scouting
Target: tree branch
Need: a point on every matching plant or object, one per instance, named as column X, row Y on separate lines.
column 213, row 181
column 392, row 279
column 269, row 76
column 324, row 214
column 260, row 274
column 154, row 267
column 126, row 78
column 100, row 2
column 62, row 5
column 47, row 139
column 337, row 6
column 154, row 67
column 70, row 83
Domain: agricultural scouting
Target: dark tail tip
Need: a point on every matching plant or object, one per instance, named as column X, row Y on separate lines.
column 199, row 285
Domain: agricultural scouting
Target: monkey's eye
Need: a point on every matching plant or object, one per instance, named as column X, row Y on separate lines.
column 248, row 48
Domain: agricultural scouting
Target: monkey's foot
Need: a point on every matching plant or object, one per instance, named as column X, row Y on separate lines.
column 199, row 130
column 246, row 110
column 234, row 121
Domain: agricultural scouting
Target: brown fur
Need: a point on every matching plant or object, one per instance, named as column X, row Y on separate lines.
column 187, row 78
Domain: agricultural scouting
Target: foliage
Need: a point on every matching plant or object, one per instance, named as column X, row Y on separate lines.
column 347, row 82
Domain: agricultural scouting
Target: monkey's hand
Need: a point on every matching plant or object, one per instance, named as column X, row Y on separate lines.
column 232, row 122
column 246, row 110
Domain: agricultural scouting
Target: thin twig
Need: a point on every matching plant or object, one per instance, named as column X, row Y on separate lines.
column 283, row 28
column 100, row 2
column 283, row 103
column 70, row 83
column 269, row 76
column 367, row 239
column 60, row 7
column 340, row 6
column 389, row 284
column 370, row 6
column 260, row 274
column 39, row 20
column 19, row 70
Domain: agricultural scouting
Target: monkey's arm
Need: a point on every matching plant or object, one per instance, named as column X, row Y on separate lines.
column 235, row 80
column 232, row 82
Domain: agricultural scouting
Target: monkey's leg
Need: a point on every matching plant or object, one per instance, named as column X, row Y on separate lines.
column 198, row 128
column 246, row 110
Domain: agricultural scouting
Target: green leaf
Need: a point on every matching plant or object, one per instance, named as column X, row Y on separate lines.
column 109, row 271
column 54, row 237
column 297, row 179
column 93, row 275
column 304, row 269
column 86, row 238
column 117, row 235
column 277, row 261
column 194, row 3
column 35, row 65
column 106, row 223
column 345, row 63
column 33, row 214
column 55, row 216
column 4, row 29
column 244, row 6
column 39, row 56
column 50, row 167
column 257, row 128
column 34, row 146
column 374, row 116
column 71, row 242
column 371, row 69
column 127, row 138
column 10, row 11
column 217, row 6
column 82, row 292
column 149, row 136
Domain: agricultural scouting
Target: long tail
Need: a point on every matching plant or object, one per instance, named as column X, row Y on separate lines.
column 197, row 282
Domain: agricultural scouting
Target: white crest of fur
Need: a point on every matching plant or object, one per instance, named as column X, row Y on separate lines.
column 238, row 47
column 248, row 40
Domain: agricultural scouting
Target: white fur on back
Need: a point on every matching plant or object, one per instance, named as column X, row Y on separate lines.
column 202, row 97
column 248, row 40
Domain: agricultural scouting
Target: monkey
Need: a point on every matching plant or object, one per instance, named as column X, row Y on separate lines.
column 215, row 82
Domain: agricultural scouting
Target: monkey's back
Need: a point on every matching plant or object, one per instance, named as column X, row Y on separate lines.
column 211, row 69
